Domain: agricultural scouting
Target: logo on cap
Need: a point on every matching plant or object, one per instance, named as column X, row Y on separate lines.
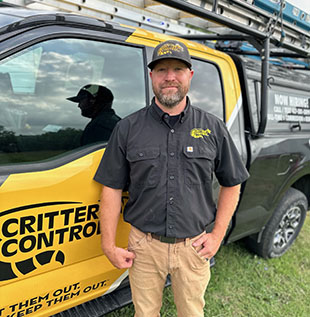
column 169, row 48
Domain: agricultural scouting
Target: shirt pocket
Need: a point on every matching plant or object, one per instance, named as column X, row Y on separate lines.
column 144, row 166
column 199, row 165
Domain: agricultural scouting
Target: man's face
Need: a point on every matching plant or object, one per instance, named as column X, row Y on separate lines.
column 170, row 81
column 87, row 107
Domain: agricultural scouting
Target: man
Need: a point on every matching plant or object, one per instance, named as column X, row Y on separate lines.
column 95, row 102
column 166, row 155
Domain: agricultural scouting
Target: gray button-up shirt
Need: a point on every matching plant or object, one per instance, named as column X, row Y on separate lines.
column 168, row 170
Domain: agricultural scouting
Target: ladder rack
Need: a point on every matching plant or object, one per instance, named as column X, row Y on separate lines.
column 284, row 25
column 246, row 18
column 126, row 12
column 259, row 19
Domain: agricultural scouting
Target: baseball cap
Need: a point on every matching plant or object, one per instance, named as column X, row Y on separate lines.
column 100, row 93
column 171, row 49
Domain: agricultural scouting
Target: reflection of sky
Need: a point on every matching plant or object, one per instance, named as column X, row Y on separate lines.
column 206, row 91
column 5, row 19
column 65, row 66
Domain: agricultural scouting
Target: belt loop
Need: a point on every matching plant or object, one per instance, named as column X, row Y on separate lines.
column 149, row 237
column 187, row 242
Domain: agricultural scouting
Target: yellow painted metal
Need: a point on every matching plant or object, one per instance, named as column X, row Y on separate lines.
column 66, row 225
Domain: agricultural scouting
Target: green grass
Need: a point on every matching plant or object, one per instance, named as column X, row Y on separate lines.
column 243, row 284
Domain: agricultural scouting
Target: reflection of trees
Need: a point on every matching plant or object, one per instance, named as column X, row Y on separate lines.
column 7, row 140
column 63, row 140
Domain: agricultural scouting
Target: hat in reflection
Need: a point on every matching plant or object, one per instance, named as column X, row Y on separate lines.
column 100, row 93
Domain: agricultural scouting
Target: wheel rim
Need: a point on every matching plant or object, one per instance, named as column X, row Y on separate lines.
column 287, row 228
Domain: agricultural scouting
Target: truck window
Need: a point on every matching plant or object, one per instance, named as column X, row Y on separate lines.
column 37, row 121
column 206, row 88
column 289, row 109
column 288, row 106
column 254, row 93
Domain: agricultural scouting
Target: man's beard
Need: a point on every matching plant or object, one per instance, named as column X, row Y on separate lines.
column 171, row 100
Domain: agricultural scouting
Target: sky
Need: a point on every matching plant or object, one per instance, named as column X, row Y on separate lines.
column 301, row 4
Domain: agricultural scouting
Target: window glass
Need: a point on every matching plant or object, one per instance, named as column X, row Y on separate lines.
column 38, row 122
column 206, row 89
column 254, row 92
column 7, row 19
column 288, row 109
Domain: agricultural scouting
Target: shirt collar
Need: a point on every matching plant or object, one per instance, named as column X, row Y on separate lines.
column 159, row 114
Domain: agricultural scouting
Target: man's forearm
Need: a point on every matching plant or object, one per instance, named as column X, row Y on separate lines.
column 110, row 207
column 227, row 203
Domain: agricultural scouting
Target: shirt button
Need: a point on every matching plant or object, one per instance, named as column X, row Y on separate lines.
column 171, row 177
column 172, row 130
column 141, row 154
column 171, row 153
column 170, row 227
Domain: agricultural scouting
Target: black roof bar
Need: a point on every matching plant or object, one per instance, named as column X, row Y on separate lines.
column 230, row 23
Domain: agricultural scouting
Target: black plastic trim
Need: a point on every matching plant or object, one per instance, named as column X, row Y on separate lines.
column 68, row 157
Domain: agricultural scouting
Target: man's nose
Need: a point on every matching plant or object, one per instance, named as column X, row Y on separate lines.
column 170, row 74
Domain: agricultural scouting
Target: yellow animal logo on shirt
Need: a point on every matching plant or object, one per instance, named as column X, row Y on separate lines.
column 200, row 133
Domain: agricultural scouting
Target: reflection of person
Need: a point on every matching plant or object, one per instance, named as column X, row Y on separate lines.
column 167, row 154
column 95, row 102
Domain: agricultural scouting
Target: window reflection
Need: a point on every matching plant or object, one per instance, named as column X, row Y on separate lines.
column 37, row 121
column 206, row 91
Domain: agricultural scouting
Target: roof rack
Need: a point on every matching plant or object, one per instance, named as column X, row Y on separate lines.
column 249, row 19
column 286, row 25
column 126, row 12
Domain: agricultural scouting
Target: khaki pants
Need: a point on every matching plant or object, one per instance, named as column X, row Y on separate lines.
column 189, row 272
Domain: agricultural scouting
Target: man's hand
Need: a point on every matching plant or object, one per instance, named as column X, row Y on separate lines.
column 210, row 243
column 227, row 203
column 120, row 258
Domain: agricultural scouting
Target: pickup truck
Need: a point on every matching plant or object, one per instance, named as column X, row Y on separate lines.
column 50, row 255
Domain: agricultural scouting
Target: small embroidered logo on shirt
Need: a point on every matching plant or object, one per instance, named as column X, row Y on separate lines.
column 190, row 149
column 200, row 133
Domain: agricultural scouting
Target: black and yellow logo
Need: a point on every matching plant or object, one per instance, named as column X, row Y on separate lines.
column 169, row 48
column 21, row 234
column 200, row 133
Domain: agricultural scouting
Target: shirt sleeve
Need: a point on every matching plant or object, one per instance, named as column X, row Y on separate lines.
column 113, row 169
column 229, row 168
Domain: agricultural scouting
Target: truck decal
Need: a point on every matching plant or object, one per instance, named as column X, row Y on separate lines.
column 27, row 266
column 39, row 230
column 234, row 113
column 289, row 108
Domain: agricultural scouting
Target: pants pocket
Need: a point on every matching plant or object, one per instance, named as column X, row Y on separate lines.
column 136, row 239
column 198, row 261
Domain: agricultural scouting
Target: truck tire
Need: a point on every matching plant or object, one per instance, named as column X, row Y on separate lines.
column 283, row 227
